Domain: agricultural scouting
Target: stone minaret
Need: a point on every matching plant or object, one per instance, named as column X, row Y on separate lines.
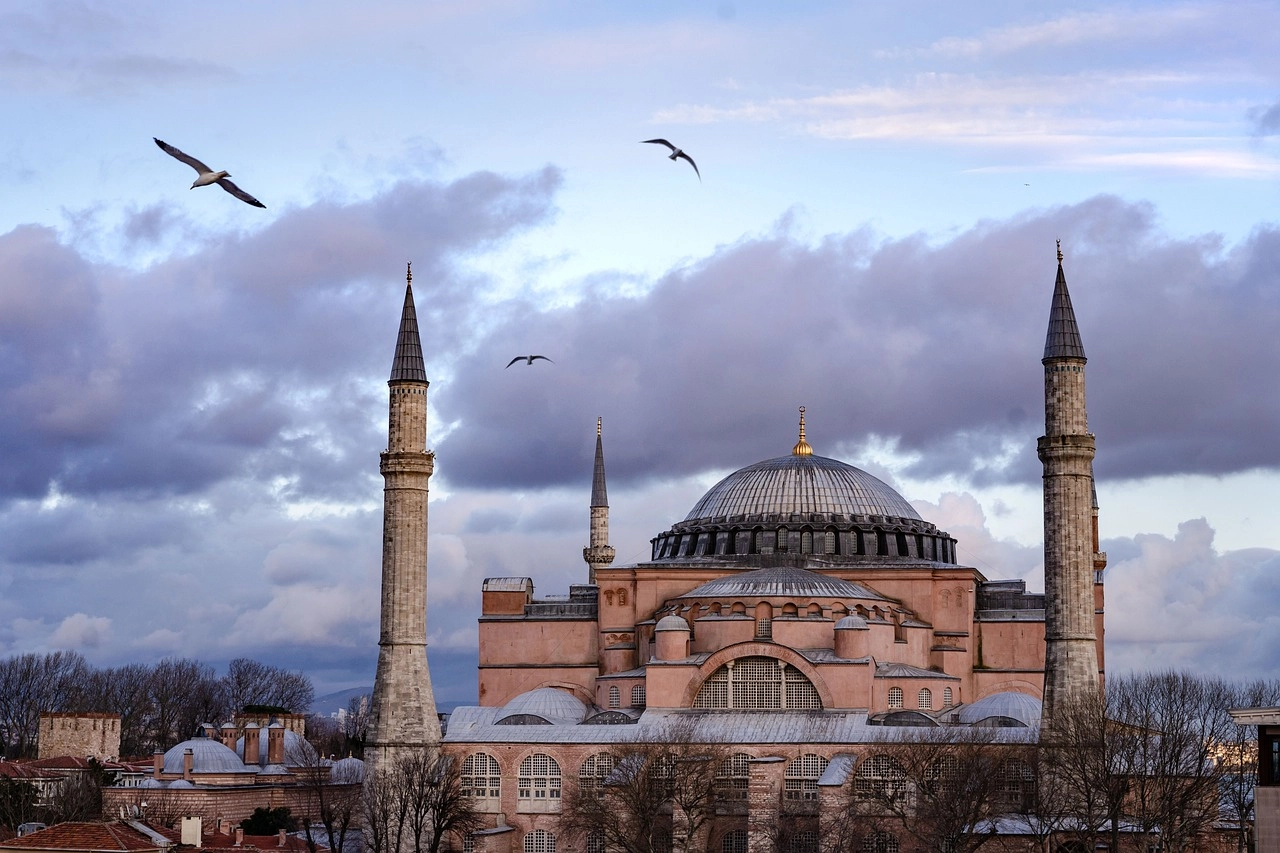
column 404, row 709
column 599, row 552
column 1066, row 450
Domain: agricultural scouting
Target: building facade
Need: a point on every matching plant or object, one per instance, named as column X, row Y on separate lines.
column 799, row 615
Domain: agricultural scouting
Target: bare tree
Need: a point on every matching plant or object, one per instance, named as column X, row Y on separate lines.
column 250, row 682
column 1239, row 757
column 416, row 803
column 330, row 803
column 31, row 683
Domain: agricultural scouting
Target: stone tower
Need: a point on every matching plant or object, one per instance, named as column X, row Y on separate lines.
column 1066, row 451
column 599, row 552
column 403, row 711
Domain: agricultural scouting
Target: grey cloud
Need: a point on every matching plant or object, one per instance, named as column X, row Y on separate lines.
column 1265, row 120
column 933, row 345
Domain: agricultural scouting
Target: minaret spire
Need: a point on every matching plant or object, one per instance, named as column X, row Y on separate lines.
column 598, row 553
column 403, row 709
column 1070, row 550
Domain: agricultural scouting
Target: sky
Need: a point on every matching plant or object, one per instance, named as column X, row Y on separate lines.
column 192, row 390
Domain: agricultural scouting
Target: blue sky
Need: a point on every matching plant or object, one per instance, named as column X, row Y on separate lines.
column 192, row 390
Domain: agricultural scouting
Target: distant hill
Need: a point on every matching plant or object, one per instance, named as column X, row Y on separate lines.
column 330, row 703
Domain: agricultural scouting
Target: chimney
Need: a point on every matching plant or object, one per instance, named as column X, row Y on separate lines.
column 218, row 823
column 239, row 835
column 229, row 735
column 275, row 744
column 157, row 764
column 252, row 744
column 191, row 831
column 188, row 763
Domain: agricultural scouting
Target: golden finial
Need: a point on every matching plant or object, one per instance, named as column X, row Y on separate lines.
column 408, row 274
column 1059, row 251
column 802, row 447
column 599, row 423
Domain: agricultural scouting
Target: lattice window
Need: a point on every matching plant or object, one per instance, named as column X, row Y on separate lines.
column 637, row 696
column 593, row 773
column 879, row 776
column 829, row 542
column 764, row 629
column 595, row 842
column 733, row 777
column 758, row 684
column 801, row 779
column 468, row 843
column 943, row 774
column 947, row 700
column 734, row 841
column 880, row 842
column 806, row 542
column 782, row 539
column 805, row 841
column 540, row 841
column 615, row 697
column 539, row 778
column 924, row 699
column 895, row 697
column 481, row 777
column 1017, row 784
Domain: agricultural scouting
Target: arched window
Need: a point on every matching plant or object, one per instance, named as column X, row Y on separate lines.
column 758, row 684
column 782, row 540
column 540, row 841
column 481, row 777
column 924, row 699
column 614, row 697
column 733, row 776
column 801, row 778
column 1017, row 785
column 829, row 541
column 637, row 696
column 947, row 700
column 895, row 697
column 538, row 784
column 880, row 842
column 595, row 842
column 879, row 776
column 804, row 841
column 943, row 774
column 734, row 841
column 593, row 773
column 806, row 542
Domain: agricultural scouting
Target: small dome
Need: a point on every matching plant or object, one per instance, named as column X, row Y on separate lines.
column 347, row 769
column 782, row 581
column 801, row 483
column 672, row 622
column 151, row 782
column 852, row 622
column 180, row 783
column 208, row 756
column 1002, row 709
column 275, row 770
column 552, row 706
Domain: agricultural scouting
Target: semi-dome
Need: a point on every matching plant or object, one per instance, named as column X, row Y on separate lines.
column 1002, row 709
column 671, row 622
column 543, row 706
column 781, row 581
column 801, row 484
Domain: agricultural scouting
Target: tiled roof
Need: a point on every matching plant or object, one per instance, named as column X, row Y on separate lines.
column 74, row 836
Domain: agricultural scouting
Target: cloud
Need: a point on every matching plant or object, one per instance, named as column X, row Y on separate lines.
column 1266, row 120
column 1179, row 603
column 81, row 631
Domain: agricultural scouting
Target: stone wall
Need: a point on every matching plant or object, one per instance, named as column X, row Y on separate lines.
column 94, row 736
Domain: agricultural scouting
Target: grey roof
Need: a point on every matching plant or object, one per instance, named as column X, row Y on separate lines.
column 599, row 494
column 1016, row 706
column 906, row 670
column 478, row 725
column 801, row 484
column 1063, row 339
column 782, row 581
column 557, row 707
column 852, row 622
column 671, row 622
column 408, row 365
column 838, row 769
column 507, row 585
column 207, row 756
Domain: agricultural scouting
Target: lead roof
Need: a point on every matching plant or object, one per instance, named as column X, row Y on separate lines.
column 408, row 365
column 1063, row 339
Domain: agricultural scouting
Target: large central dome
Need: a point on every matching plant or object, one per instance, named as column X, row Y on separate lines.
column 801, row 484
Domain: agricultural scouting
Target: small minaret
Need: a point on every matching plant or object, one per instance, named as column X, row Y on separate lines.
column 599, row 553
column 403, row 710
column 1066, row 451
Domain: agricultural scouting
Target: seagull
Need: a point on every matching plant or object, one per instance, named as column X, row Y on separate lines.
column 676, row 152
column 528, row 359
column 207, row 175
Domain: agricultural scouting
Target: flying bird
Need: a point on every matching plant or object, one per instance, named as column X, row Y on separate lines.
column 207, row 175
column 677, row 153
column 527, row 359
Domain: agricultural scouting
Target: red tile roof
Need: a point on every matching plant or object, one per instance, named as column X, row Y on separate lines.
column 112, row 837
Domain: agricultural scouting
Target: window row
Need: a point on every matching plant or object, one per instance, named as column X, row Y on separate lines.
column 805, row 540
column 924, row 699
column 637, row 697
column 734, row 841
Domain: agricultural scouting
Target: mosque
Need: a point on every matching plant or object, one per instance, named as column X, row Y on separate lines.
column 799, row 614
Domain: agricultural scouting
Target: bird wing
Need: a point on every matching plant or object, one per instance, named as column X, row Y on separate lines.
column 514, row 360
column 239, row 193
column 659, row 141
column 543, row 357
column 684, row 156
column 185, row 158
